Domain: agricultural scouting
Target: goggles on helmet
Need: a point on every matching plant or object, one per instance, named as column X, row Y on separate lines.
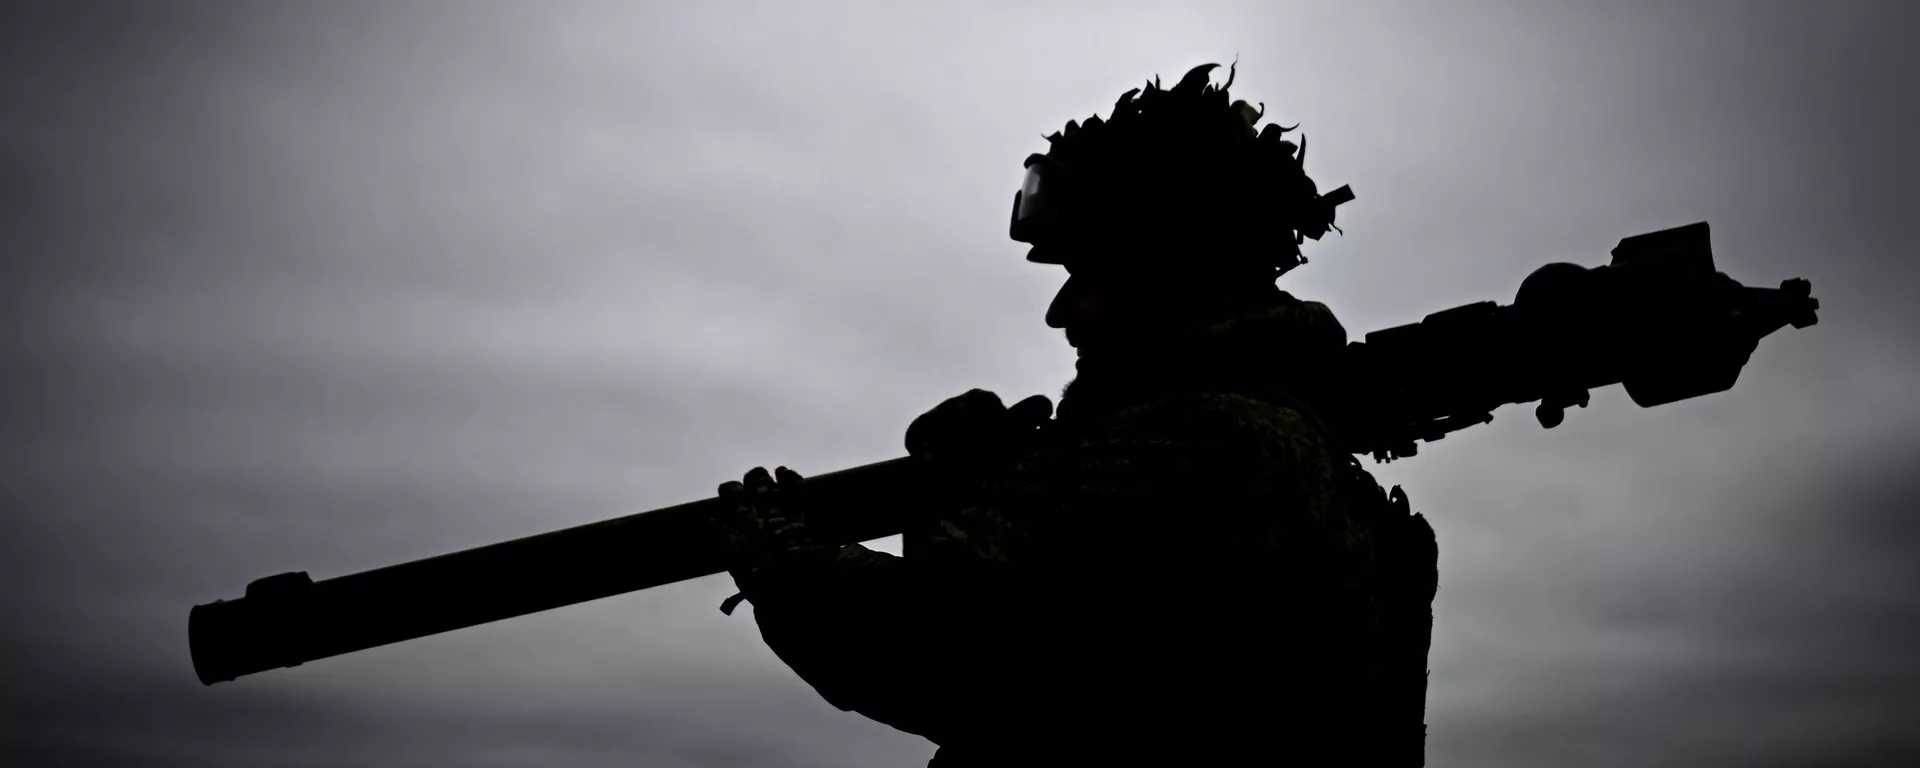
column 1036, row 206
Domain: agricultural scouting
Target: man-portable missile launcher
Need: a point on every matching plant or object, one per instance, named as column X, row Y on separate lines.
column 1659, row 320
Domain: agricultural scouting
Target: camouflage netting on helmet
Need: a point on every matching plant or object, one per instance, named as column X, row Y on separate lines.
column 1181, row 173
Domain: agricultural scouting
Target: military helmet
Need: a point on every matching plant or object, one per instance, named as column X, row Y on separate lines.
column 1176, row 180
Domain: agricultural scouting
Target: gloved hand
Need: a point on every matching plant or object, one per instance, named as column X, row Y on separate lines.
column 973, row 436
column 762, row 516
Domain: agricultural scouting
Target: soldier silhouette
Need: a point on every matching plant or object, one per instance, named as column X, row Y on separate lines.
column 1180, row 567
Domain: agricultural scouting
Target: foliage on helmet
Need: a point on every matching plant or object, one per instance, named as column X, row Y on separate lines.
column 1192, row 151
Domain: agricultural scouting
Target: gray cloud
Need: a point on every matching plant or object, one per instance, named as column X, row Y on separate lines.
column 331, row 286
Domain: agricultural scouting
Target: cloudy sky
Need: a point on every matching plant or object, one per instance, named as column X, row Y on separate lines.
column 332, row 285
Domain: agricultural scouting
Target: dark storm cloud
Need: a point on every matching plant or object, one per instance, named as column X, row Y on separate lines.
column 329, row 286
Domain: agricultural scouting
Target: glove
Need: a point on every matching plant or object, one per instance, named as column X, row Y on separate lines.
column 973, row 436
column 762, row 517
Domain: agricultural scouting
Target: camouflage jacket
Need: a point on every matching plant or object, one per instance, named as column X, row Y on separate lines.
column 1201, row 579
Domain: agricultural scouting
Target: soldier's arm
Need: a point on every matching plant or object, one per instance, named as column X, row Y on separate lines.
column 894, row 639
column 914, row 643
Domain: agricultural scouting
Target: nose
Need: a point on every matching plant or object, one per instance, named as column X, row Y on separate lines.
column 1069, row 304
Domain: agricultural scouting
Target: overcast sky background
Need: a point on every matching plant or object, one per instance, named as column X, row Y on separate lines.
column 327, row 286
